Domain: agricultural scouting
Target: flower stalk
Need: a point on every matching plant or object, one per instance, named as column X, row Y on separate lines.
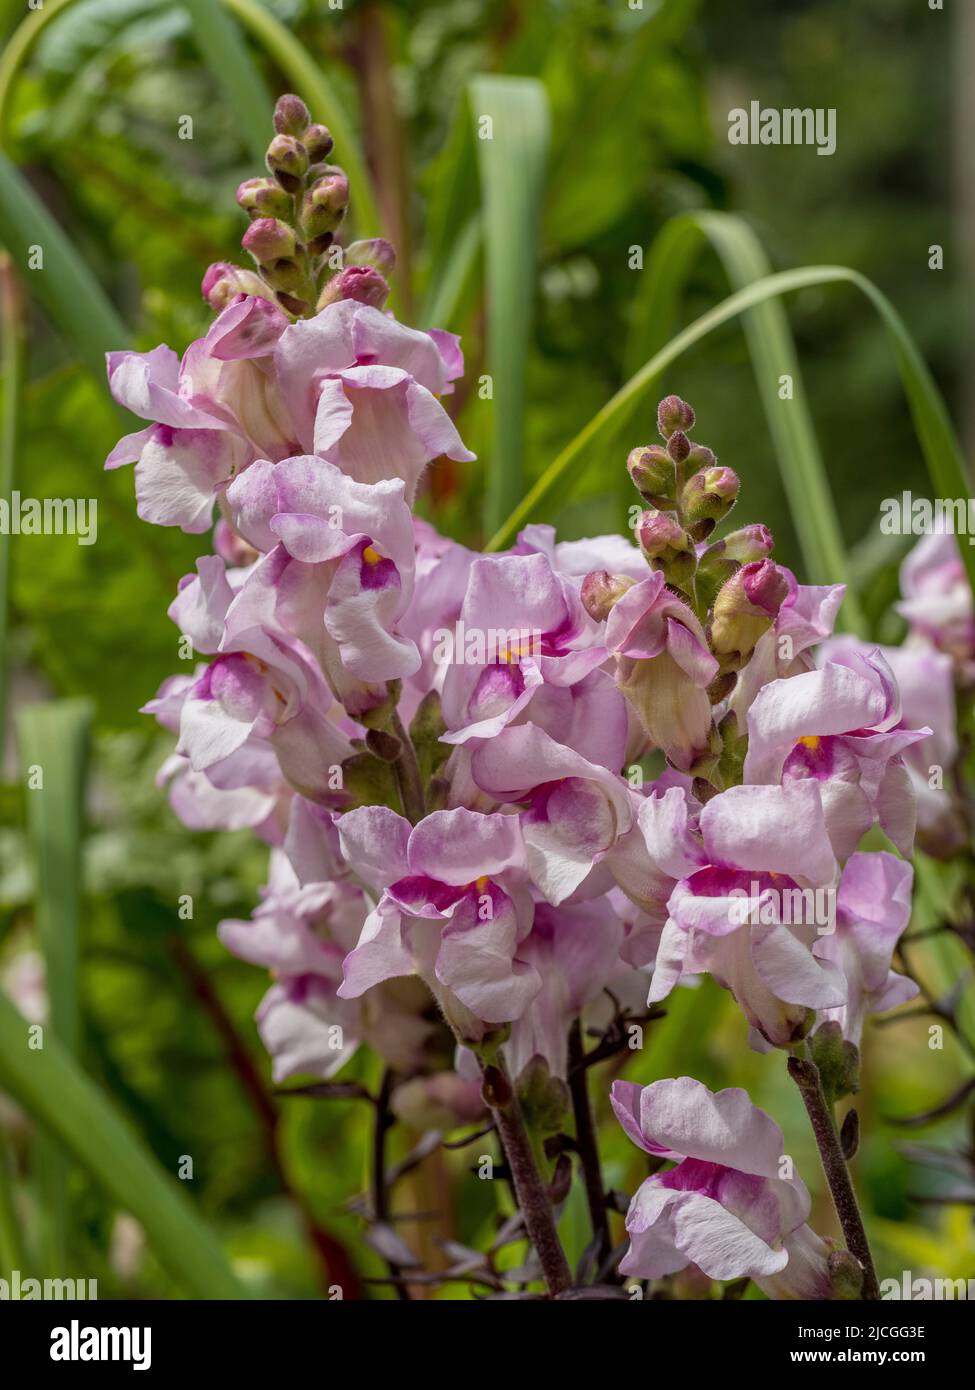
column 530, row 1190
column 805, row 1074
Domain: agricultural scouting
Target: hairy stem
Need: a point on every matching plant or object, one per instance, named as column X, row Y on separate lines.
column 380, row 1207
column 530, row 1190
column 407, row 771
column 805, row 1074
column 587, row 1145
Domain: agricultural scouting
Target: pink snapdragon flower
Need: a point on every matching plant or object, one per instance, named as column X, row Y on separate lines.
column 575, row 811
column 530, row 630
column 728, row 913
column 362, row 391
column 453, row 905
column 302, row 933
column 926, row 683
column 937, row 601
column 806, row 617
column 245, row 790
column 575, row 951
column 730, row 1205
column 213, row 413
column 873, row 908
column 841, row 727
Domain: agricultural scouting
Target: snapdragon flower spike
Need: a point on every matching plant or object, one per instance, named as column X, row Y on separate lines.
column 736, row 865
column 726, row 1205
column 840, row 726
column 453, row 906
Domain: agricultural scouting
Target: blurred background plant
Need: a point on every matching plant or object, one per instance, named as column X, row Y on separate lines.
column 566, row 251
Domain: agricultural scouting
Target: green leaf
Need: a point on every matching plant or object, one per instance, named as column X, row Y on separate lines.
column 935, row 432
column 12, row 363
column 51, row 1086
column 54, row 740
column 69, row 293
column 512, row 168
column 453, row 230
column 225, row 54
column 54, row 749
column 773, row 355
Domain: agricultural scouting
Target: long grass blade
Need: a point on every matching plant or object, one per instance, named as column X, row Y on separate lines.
column 54, row 755
column 932, row 423
column 512, row 123
column 11, row 370
column 51, row 1086
column 223, row 50
column 65, row 287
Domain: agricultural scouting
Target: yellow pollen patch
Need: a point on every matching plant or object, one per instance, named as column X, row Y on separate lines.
column 371, row 556
column 810, row 741
column 481, row 883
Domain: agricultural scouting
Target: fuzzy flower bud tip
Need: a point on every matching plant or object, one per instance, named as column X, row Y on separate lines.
column 358, row 282
column 223, row 282
column 744, row 610
column 269, row 240
column 317, row 140
column 674, row 414
column 651, row 471
column 750, row 543
column 264, row 198
column 601, row 590
column 287, row 160
column 708, row 497
column 291, row 115
column 659, row 533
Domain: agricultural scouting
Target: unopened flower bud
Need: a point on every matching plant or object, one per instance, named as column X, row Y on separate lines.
column 700, row 457
column 744, row 609
column 667, row 546
column 707, row 498
column 659, row 532
column 375, row 251
column 287, row 160
column 674, row 414
column 268, row 239
column 358, row 282
column 223, row 282
column 324, row 205
column 651, row 471
column 845, row 1275
column 678, row 446
column 749, row 543
column 317, row 140
column 600, row 590
column 264, row 198
column 291, row 115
